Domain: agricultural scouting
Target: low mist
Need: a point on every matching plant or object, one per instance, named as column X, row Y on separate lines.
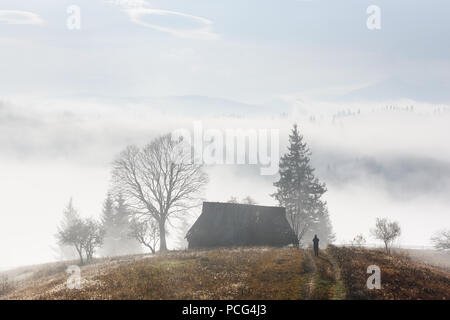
column 388, row 159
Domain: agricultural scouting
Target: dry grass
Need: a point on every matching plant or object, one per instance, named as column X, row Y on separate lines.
column 432, row 258
column 241, row 273
column 238, row 273
column 401, row 278
column 6, row 286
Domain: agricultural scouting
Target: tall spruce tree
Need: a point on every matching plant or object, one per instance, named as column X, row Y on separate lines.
column 108, row 214
column 116, row 223
column 122, row 217
column 123, row 214
column 300, row 192
column 70, row 215
column 70, row 218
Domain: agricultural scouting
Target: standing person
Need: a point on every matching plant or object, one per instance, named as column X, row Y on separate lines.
column 316, row 245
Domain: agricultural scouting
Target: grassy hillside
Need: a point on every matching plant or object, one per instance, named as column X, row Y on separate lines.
column 236, row 273
column 401, row 277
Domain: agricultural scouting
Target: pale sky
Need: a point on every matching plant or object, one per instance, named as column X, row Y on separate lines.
column 70, row 100
column 245, row 50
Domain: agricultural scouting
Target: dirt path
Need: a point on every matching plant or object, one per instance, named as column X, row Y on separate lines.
column 339, row 291
column 313, row 272
column 324, row 282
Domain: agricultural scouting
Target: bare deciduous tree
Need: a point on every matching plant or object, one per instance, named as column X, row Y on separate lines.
column 70, row 215
column 386, row 231
column 92, row 235
column 358, row 240
column 233, row 200
column 246, row 200
column 441, row 240
column 159, row 181
column 145, row 232
column 84, row 235
column 72, row 235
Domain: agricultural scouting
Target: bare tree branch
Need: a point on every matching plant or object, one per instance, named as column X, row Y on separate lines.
column 159, row 181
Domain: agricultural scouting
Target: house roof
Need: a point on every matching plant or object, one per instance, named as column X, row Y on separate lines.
column 226, row 224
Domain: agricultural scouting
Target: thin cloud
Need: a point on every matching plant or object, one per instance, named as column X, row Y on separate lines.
column 202, row 33
column 20, row 17
column 128, row 3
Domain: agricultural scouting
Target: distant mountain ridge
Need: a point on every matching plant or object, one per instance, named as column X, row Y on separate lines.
column 395, row 89
column 196, row 105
